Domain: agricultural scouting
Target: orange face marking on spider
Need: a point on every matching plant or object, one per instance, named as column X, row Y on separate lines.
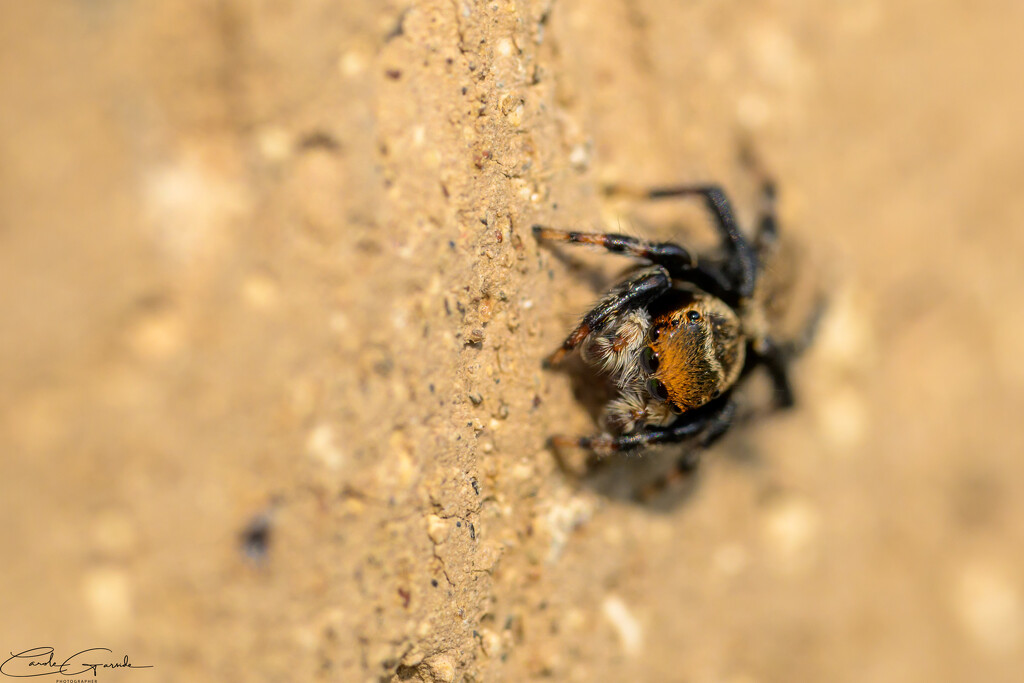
column 696, row 352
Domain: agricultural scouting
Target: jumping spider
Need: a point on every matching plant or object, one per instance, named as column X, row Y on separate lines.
column 677, row 336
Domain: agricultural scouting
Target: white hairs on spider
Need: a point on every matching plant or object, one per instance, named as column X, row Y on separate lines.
column 633, row 410
column 616, row 348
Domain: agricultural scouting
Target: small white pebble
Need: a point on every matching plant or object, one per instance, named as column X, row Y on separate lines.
column 274, row 143
column 579, row 157
column 402, row 465
column 791, row 527
column 338, row 322
column 515, row 116
column 490, row 642
column 843, row 419
column 352, row 63
column 845, row 339
column 441, row 668
column 188, row 206
column 562, row 518
column 108, row 595
column 438, row 529
column 989, row 607
column 625, row 624
column 777, row 56
column 321, row 446
column 522, row 471
column 399, row 318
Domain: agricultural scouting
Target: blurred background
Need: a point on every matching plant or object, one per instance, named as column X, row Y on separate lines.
column 272, row 322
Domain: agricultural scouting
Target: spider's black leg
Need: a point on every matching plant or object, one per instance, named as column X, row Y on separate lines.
column 680, row 263
column 606, row 444
column 715, row 427
column 687, row 426
column 767, row 223
column 797, row 346
column 672, row 256
column 635, row 292
column 743, row 261
column 776, row 361
column 718, row 424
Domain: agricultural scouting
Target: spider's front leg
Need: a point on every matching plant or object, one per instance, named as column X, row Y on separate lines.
column 708, row 422
column 742, row 261
column 635, row 292
column 715, row 427
column 767, row 220
column 676, row 259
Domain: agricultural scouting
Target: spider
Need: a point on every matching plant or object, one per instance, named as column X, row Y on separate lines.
column 678, row 335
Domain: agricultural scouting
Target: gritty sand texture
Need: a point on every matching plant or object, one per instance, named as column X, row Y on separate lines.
column 273, row 320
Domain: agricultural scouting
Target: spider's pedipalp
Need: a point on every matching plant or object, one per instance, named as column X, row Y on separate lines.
column 615, row 351
column 634, row 293
column 634, row 410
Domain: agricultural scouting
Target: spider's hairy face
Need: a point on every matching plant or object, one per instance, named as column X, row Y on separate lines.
column 695, row 350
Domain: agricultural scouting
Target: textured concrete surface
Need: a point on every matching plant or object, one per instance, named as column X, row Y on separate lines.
column 273, row 319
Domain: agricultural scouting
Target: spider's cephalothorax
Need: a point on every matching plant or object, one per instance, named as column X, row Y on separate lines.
column 696, row 350
column 677, row 335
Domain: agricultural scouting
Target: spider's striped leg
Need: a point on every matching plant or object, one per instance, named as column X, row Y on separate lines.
column 677, row 260
column 635, row 292
column 709, row 422
column 674, row 257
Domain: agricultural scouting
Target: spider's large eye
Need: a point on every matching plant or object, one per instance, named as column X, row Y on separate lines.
column 649, row 360
column 693, row 316
column 657, row 389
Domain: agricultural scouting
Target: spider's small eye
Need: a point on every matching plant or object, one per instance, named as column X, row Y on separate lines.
column 657, row 390
column 693, row 316
column 655, row 333
column 649, row 360
column 676, row 410
column 716, row 393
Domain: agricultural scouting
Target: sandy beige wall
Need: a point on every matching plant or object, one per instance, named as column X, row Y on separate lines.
column 266, row 269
